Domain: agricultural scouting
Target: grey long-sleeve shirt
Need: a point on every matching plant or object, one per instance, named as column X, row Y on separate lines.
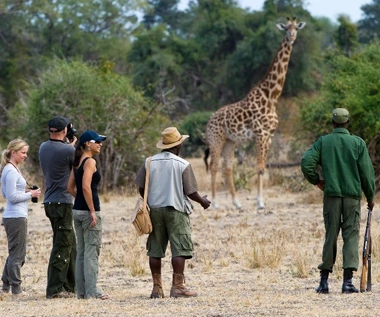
column 13, row 190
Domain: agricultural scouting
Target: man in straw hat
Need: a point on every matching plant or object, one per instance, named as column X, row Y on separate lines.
column 171, row 183
column 347, row 171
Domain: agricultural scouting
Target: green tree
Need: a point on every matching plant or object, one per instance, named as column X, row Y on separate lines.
column 93, row 98
column 194, row 125
column 156, row 65
column 162, row 11
column 182, row 67
column 352, row 83
column 15, row 53
column 369, row 26
column 346, row 35
column 219, row 51
column 87, row 28
column 33, row 31
column 91, row 29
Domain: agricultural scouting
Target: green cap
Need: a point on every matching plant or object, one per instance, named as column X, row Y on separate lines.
column 340, row 115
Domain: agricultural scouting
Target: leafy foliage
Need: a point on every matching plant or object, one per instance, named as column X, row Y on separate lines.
column 93, row 98
column 194, row 60
column 346, row 35
column 15, row 53
column 352, row 83
column 179, row 62
column 79, row 27
column 162, row 11
column 369, row 25
column 195, row 126
column 218, row 52
column 35, row 31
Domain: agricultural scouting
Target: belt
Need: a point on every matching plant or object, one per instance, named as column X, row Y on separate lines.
column 56, row 203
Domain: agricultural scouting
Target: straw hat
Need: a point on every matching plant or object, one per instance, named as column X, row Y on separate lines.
column 170, row 137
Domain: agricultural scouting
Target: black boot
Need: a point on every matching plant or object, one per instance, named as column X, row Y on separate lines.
column 347, row 286
column 323, row 287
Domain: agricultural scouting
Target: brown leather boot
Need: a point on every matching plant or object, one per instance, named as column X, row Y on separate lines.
column 178, row 287
column 157, row 291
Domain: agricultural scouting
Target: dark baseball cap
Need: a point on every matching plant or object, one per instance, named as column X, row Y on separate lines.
column 91, row 136
column 58, row 124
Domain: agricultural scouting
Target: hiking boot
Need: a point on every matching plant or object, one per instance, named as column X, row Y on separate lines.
column 348, row 287
column 20, row 295
column 6, row 288
column 62, row 294
column 178, row 287
column 157, row 291
column 323, row 287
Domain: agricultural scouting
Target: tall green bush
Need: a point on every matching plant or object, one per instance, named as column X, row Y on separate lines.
column 194, row 125
column 352, row 83
column 92, row 97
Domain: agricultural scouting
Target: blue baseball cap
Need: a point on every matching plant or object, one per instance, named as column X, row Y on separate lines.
column 90, row 135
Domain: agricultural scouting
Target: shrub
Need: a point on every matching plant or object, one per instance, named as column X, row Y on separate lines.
column 92, row 98
column 194, row 125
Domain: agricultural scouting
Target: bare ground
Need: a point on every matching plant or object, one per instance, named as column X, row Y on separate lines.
column 246, row 263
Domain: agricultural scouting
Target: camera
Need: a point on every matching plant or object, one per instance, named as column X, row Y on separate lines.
column 34, row 199
column 70, row 132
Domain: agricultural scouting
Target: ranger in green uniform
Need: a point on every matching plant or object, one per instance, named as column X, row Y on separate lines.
column 347, row 172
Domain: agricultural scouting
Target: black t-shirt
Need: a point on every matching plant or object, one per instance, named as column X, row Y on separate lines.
column 80, row 202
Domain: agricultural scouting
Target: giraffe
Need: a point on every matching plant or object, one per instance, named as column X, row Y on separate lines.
column 253, row 118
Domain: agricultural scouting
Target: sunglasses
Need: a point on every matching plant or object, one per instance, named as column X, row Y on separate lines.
column 93, row 141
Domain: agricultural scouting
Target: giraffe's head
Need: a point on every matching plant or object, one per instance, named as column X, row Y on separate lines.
column 291, row 29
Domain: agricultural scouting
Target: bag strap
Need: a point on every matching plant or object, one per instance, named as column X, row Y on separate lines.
column 147, row 181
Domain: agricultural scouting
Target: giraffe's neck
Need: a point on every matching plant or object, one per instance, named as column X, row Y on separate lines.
column 273, row 82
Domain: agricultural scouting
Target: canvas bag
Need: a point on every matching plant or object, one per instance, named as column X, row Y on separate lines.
column 140, row 215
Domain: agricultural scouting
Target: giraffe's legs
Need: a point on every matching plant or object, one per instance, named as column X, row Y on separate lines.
column 214, row 163
column 260, row 201
column 263, row 144
column 228, row 158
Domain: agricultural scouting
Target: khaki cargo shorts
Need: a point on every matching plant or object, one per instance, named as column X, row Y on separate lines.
column 171, row 225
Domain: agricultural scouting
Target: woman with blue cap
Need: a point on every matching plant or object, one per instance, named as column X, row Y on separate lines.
column 83, row 185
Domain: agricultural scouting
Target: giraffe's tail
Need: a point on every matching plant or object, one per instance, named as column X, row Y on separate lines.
column 207, row 152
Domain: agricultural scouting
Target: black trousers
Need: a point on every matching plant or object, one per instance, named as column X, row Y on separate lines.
column 61, row 269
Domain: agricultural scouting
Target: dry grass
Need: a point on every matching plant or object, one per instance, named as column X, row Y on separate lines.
column 246, row 263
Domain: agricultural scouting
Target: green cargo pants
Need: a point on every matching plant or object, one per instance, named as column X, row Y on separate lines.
column 341, row 213
column 61, row 269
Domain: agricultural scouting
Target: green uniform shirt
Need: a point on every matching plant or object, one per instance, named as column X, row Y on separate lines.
column 346, row 166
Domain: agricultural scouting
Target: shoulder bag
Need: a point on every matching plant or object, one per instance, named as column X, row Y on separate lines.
column 141, row 213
